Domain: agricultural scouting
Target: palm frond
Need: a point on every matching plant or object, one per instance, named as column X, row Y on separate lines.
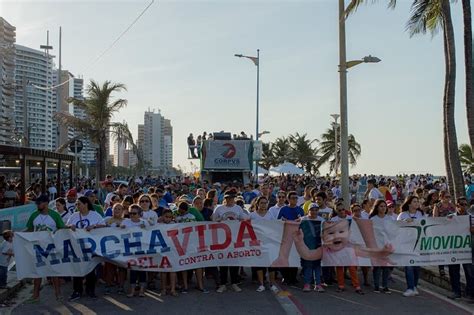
column 81, row 125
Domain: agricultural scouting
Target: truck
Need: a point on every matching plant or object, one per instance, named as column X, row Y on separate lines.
column 227, row 160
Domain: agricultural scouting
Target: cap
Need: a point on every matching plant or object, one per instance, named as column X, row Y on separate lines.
column 432, row 191
column 390, row 203
column 89, row 193
column 217, row 184
column 313, row 206
column 72, row 192
column 42, row 198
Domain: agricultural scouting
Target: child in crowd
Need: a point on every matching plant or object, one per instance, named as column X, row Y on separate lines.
column 135, row 213
column 312, row 268
column 6, row 253
column 168, row 278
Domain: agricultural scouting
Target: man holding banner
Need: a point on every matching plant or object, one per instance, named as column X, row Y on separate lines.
column 44, row 219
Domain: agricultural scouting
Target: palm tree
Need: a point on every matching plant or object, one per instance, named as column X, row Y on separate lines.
column 303, row 153
column 99, row 108
column 467, row 159
column 268, row 159
column 327, row 149
column 281, row 149
column 430, row 16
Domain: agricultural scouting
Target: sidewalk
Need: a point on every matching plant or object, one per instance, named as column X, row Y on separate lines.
column 13, row 285
column 431, row 275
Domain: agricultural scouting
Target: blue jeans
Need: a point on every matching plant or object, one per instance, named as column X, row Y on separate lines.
column 3, row 276
column 311, row 271
column 412, row 274
column 455, row 278
column 385, row 271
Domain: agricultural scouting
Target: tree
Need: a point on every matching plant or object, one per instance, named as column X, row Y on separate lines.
column 268, row 158
column 99, row 108
column 327, row 149
column 431, row 16
column 281, row 149
column 302, row 152
column 466, row 9
column 467, row 159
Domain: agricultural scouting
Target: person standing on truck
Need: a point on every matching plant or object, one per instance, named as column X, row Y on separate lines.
column 191, row 145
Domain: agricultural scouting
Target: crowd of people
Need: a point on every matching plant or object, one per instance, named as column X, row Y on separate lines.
column 143, row 202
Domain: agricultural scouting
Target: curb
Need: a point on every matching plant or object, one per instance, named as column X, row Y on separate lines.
column 433, row 277
column 10, row 291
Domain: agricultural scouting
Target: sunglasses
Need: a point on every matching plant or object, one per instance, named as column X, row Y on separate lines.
column 133, row 213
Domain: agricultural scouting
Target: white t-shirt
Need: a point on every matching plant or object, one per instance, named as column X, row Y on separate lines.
column 364, row 214
column 108, row 198
column 111, row 222
column 65, row 216
column 44, row 222
column 150, row 216
column 129, row 223
column 255, row 216
column 394, row 193
column 325, row 213
column 71, row 207
column 376, row 194
column 336, row 191
column 187, row 217
column 300, row 201
column 84, row 221
column 405, row 215
column 5, row 247
column 274, row 211
column 222, row 213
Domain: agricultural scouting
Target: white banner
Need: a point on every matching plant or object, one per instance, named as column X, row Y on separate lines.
column 175, row 247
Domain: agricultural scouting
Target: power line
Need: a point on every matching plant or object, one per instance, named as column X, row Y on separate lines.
column 105, row 51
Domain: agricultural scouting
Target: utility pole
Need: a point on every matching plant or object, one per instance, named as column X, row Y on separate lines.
column 58, row 91
column 26, row 135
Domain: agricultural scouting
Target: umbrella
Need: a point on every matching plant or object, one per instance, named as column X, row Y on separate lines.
column 287, row 168
column 262, row 171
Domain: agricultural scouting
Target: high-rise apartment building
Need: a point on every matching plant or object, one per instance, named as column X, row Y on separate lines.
column 7, row 79
column 168, row 143
column 34, row 102
column 157, row 141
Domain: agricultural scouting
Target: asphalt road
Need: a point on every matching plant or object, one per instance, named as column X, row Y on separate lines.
column 290, row 300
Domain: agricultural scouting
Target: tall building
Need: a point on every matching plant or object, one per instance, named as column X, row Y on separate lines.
column 141, row 138
column 168, row 143
column 120, row 147
column 7, row 89
column 34, row 103
column 157, row 141
column 88, row 153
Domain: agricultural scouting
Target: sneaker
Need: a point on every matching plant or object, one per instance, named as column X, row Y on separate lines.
column 93, row 296
column 340, row 289
column 274, row 289
column 319, row 288
column 236, row 288
column 184, row 291
column 416, row 291
column 221, row 289
column 261, row 288
column 74, row 296
column 409, row 293
column 376, row 290
column 454, row 296
column 359, row 291
column 120, row 291
column 204, row 290
column 306, row 288
column 386, row 291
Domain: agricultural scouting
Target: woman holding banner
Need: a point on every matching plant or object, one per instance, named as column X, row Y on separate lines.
column 378, row 217
column 86, row 218
column 410, row 212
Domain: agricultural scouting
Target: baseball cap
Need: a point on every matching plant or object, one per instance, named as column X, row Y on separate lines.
column 42, row 198
column 229, row 195
column 313, row 206
column 390, row 203
column 90, row 192
column 72, row 192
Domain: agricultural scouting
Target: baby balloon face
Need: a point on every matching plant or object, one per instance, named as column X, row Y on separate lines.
column 336, row 234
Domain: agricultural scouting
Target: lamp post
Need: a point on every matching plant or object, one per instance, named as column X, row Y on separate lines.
column 336, row 117
column 343, row 66
column 256, row 61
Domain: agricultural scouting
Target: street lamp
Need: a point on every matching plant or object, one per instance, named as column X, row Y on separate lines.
column 265, row 132
column 343, row 66
column 256, row 61
column 336, row 117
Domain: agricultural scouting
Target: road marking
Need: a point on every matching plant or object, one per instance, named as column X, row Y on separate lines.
column 353, row 302
column 117, row 303
column 289, row 303
column 82, row 308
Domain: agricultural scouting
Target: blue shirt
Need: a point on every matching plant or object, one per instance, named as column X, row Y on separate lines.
column 290, row 213
column 249, row 196
column 167, row 197
column 109, row 212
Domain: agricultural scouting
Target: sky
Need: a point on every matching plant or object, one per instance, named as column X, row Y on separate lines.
column 179, row 58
